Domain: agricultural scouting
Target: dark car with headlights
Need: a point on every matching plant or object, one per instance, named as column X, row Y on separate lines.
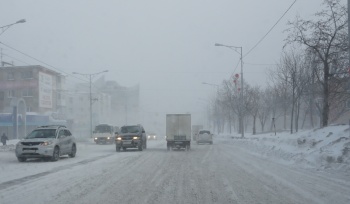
column 131, row 136
column 47, row 142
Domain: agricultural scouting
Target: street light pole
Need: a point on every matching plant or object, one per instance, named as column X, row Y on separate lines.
column 349, row 30
column 4, row 28
column 216, row 123
column 241, row 91
column 90, row 83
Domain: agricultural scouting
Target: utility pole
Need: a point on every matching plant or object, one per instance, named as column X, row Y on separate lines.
column 90, row 82
column 349, row 32
column 242, row 102
column 91, row 99
column 241, row 109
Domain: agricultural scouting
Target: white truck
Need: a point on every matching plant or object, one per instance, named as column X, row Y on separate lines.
column 178, row 131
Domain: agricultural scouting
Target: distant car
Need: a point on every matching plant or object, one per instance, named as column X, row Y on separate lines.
column 204, row 136
column 47, row 142
column 131, row 136
column 152, row 136
column 105, row 134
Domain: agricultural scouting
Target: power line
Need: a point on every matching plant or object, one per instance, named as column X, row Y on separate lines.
column 45, row 63
column 41, row 61
column 257, row 64
column 270, row 29
column 15, row 59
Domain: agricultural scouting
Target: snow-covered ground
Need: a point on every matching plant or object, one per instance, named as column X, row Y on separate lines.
column 307, row 167
column 325, row 148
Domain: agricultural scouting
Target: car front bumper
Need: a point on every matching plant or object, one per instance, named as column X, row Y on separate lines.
column 104, row 140
column 34, row 151
column 128, row 143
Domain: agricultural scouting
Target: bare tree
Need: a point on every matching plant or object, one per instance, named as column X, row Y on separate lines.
column 252, row 96
column 266, row 106
column 325, row 36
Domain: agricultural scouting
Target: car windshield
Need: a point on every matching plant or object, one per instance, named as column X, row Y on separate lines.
column 103, row 129
column 204, row 132
column 42, row 133
column 130, row 129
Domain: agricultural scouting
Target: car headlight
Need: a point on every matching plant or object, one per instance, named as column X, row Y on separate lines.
column 148, row 136
column 107, row 138
column 119, row 138
column 154, row 136
column 46, row 143
column 136, row 138
column 19, row 144
column 95, row 138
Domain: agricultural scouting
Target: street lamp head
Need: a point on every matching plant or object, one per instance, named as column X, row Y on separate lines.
column 21, row 21
column 105, row 70
column 218, row 44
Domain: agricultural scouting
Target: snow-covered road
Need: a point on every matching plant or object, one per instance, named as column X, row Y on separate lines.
column 221, row 173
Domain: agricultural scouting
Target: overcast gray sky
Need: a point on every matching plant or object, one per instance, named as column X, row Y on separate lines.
column 166, row 46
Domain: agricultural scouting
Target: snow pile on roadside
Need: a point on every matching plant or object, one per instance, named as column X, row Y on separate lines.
column 321, row 148
column 10, row 146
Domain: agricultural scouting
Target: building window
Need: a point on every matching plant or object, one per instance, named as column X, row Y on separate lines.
column 10, row 76
column 11, row 93
column 27, row 93
column 27, row 75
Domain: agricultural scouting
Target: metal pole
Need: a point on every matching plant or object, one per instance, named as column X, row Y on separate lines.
column 242, row 102
column 90, row 108
column 349, row 29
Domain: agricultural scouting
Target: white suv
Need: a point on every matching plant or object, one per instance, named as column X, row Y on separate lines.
column 47, row 142
column 204, row 136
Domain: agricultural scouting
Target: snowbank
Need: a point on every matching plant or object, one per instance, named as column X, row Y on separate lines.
column 325, row 148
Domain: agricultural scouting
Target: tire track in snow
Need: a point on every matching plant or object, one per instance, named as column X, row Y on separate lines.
column 19, row 181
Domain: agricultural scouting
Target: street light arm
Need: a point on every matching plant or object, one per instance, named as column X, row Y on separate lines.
column 4, row 28
column 230, row 47
column 84, row 74
column 210, row 84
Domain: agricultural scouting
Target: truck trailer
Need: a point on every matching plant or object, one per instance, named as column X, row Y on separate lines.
column 178, row 131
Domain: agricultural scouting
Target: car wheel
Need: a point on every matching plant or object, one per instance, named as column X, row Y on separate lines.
column 145, row 147
column 56, row 154
column 73, row 152
column 21, row 159
column 117, row 148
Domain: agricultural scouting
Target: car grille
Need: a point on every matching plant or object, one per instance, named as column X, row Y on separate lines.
column 127, row 137
column 30, row 143
column 33, row 148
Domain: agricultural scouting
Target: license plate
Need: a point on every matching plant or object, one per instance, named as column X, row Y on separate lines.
column 29, row 151
column 127, row 142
